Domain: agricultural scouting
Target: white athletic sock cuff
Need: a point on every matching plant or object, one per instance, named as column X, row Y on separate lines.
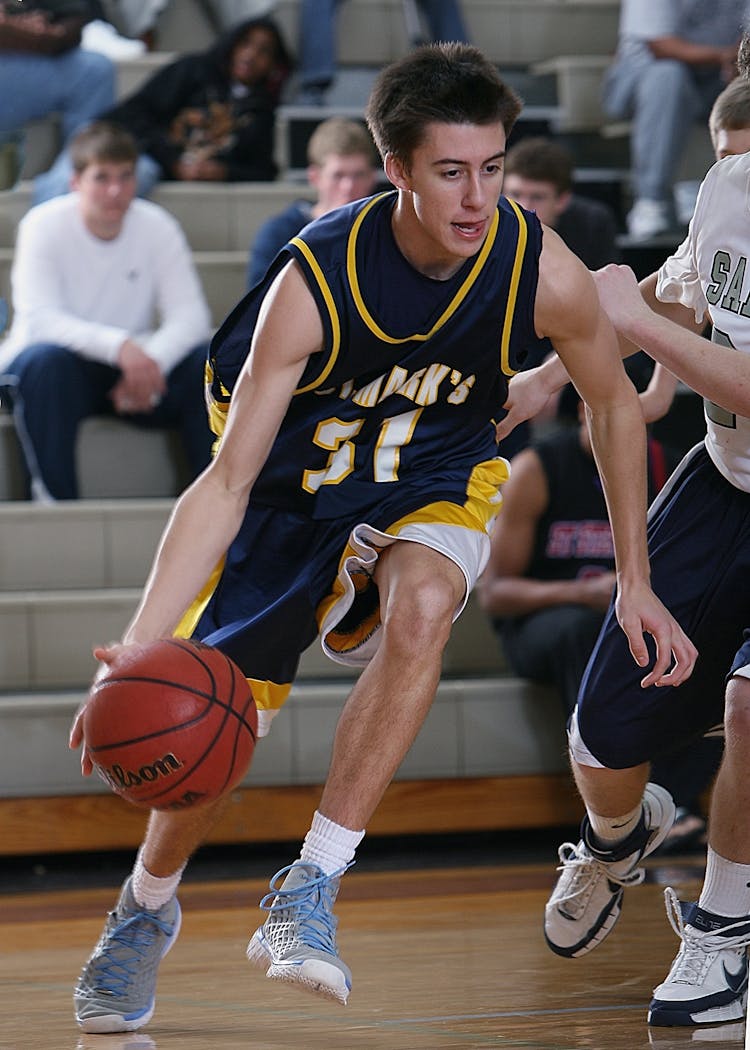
column 726, row 886
column 328, row 845
column 610, row 830
column 149, row 890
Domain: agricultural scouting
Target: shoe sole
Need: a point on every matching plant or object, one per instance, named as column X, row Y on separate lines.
column 669, row 1015
column 604, row 925
column 609, row 916
column 106, row 1024
column 310, row 975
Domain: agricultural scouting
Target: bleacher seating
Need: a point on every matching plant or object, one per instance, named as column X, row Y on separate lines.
column 491, row 754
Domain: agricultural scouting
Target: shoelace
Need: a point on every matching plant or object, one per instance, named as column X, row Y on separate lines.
column 580, row 865
column 312, row 905
column 135, row 935
column 690, row 964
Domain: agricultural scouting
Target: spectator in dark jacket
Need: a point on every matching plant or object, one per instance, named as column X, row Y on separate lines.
column 539, row 175
column 208, row 116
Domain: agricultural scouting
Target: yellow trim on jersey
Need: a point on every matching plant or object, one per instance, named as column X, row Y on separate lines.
column 513, row 290
column 337, row 589
column 268, row 696
column 482, row 503
column 333, row 315
column 217, row 410
column 194, row 611
column 458, row 298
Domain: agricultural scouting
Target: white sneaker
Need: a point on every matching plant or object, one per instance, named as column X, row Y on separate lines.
column 103, row 38
column 708, row 980
column 648, row 218
column 587, row 899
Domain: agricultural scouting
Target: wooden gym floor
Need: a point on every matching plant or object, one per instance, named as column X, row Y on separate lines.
column 444, row 958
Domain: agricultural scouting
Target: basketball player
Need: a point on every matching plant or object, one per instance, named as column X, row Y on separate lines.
column 699, row 538
column 355, row 485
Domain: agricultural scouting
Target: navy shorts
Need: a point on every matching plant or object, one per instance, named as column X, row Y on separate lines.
column 288, row 577
column 699, row 544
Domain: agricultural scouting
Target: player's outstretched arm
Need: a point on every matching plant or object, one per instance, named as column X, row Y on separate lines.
column 568, row 311
column 208, row 515
column 668, row 333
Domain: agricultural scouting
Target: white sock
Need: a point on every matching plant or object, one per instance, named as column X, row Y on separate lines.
column 149, row 890
column 609, row 830
column 726, row 887
column 328, row 845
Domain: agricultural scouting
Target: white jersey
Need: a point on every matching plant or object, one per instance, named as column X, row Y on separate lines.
column 709, row 272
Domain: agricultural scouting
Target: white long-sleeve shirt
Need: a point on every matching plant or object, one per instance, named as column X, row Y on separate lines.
column 76, row 290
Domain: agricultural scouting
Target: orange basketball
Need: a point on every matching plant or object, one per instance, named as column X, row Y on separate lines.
column 173, row 724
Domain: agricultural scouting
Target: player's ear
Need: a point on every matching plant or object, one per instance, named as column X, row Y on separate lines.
column 396, row 172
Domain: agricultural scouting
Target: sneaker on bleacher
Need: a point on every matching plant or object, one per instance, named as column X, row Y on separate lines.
column 648, row 218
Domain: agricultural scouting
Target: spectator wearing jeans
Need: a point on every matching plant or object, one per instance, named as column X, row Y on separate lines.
column 109, row 317
column 45, row 71
column 672, row 60
column 206, row 117
column 317, row 40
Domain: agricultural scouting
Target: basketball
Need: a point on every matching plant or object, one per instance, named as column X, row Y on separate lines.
column 172, row 724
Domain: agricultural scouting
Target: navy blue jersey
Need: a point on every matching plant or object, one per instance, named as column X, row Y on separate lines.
column 412, row 370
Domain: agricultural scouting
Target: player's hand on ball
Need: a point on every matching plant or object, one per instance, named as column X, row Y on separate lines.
column 106, row 655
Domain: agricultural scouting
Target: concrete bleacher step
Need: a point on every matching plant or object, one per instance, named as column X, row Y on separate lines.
column 476, row 728
column 372, row 32
column 79, row 545
column 150, row 463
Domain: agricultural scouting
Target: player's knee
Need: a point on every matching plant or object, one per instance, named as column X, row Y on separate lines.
column 737, row 709
column 421, row 614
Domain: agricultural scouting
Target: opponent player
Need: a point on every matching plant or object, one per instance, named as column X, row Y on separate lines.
column 355, row 485
column 699, row 539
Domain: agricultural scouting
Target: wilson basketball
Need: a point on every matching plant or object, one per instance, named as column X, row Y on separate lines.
column 171, row 725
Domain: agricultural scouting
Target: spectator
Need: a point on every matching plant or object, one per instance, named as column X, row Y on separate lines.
column 44, row 70
column 539, row 176
column 550, row 579
column 672, row 61
column 91, row 273
column 317, row 40
column 205, row 117
column 341, row 169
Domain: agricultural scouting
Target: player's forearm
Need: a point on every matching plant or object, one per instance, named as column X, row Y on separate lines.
column 618, row 438
column 203, row 523
column 719, row 373
column 511, row 596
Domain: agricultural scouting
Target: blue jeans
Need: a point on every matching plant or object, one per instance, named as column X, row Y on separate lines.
column 663, row 98
column 56, row 180
column 317, row 36
column 78, row 85
column 55, row 390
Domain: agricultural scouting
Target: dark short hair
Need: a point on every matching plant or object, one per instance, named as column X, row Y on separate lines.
column 102, row 141
column 445, row 83
column 542, row 160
